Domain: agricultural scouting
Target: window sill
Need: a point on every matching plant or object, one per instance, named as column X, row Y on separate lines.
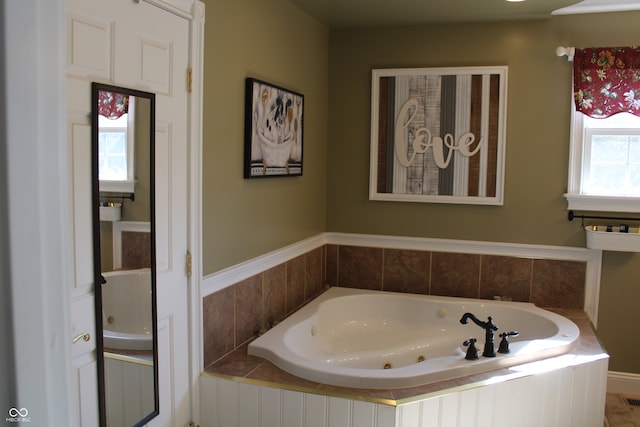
column 118, row 186
column 582, row 202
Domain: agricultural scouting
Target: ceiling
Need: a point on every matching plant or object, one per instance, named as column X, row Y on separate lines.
column 376, row 13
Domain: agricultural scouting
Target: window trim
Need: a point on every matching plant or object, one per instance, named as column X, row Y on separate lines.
column 582, row 202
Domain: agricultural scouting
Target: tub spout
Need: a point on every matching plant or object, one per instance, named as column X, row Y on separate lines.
column 489, row 328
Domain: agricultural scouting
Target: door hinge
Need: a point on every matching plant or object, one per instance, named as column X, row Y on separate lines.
column 188, row 264
column 189, row 79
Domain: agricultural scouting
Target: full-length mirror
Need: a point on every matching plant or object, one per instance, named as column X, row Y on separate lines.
column 123, row 129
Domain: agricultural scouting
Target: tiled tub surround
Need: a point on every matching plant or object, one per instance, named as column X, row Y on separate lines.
column 254, row 303
column 235, row 314
column 558, row 278
column 544, row 282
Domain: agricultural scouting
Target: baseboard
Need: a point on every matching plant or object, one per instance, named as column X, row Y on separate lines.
column 623, row 383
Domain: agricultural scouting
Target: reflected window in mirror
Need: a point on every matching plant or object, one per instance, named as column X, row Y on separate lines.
column 116, row 141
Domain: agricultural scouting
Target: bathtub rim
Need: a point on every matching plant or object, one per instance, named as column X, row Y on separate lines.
column 378, row 378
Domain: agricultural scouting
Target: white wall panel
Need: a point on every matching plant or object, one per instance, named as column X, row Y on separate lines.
column 363, row 414
column 209, row 402
column 486, row 407
column 386, row 415
column 249, row 394
column 449, row 410
column 292, row 408
column 468, row 407
column 339, row 412
column 125, row 391
column 270, row 407
column 411, row 414
column 229, row 398
column 315, row 410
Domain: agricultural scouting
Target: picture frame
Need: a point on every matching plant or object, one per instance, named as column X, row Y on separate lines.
column 274, row 127
column 438, row 135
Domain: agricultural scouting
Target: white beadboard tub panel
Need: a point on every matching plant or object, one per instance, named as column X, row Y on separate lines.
column 593, row 258
column 568, row 397
column 226, row 403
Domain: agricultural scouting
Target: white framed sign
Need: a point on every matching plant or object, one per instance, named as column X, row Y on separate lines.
column 438, row 135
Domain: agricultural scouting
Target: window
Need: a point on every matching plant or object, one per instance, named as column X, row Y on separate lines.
column 115, row 152
column 605, row 163
column 604, row 169
column 611, row 156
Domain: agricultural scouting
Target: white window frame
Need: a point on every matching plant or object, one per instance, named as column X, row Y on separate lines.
column 583, row 202
column 128, row 185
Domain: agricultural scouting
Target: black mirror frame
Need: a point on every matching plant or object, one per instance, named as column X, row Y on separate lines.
column 97, row 267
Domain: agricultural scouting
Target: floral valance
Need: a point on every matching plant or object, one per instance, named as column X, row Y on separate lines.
column 607, row 81
column 112, row 105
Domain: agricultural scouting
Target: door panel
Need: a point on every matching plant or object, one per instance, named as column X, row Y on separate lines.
column 144, row 47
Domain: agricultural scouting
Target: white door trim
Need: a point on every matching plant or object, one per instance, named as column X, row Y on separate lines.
column 38, row 248
column 194, row 215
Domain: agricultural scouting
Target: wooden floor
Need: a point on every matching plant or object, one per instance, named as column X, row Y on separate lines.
column 622, row 411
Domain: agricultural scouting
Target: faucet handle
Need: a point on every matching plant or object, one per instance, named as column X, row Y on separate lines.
column 472, row 352
column 504, row 344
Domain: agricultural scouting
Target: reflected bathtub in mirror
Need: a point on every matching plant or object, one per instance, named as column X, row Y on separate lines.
column 126, row 310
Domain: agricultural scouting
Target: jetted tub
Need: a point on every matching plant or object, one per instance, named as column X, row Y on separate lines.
column 126, row 309
column 385, row 340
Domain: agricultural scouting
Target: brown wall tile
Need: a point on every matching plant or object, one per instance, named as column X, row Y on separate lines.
column 360, row 267
column 136, row 250
column 506, row 277
column 406, row 271
column 314, row 275
column 558, row 283
column 218, row 324
column 331, row 265
column 248, row 307
column 456, row 275
column 274, row 294
column 296, row 275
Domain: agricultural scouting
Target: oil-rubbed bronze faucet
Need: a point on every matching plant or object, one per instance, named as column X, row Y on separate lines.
column 489, row 328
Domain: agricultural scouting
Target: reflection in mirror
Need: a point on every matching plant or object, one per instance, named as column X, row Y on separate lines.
column 123, row 122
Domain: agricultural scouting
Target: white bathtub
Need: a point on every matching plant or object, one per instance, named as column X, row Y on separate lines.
column 126, row 308
column 345, row 337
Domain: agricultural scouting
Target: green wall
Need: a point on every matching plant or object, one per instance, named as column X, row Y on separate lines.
column 537, row 144
column 276, row 42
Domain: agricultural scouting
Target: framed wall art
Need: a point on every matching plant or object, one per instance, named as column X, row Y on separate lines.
column 438, row 135
column 273, row 131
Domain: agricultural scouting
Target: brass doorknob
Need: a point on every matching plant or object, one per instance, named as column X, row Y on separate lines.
column 83, row 336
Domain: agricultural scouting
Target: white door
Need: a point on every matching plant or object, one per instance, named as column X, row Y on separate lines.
column 139, row 46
